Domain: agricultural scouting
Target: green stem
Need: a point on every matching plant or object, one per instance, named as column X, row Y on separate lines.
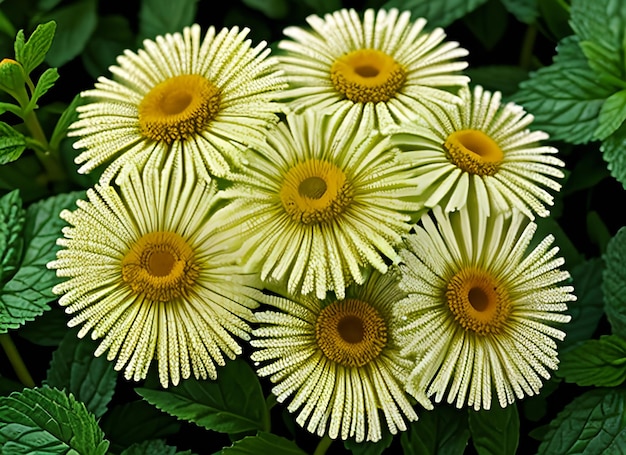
column 16, row 360
column 323, row 445
column 526, row 53
column 49, row 158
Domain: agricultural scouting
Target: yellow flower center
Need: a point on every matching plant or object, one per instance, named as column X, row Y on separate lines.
column 478, row 301
column 367, row 75
column 315, row 192
column 474, row 152
column 161, row 266
column 178, row 108
column 350, row 332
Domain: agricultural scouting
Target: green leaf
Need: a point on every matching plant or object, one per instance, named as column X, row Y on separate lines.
column 231, row 404
column 370, row 448
column 274, row 9
column 612, row 115
column 67, row 118
column 33, row 52
column 12, row 78
column 442, row 431
column 592, row 423
column 12, row 217
column 496, row 431
column 612, row 149
column 45, row 83
column 263, row 443
column 134, row 422
column 440, row 13
column 10, row 107
column 76, row 22
column 601, row 363
column 597, row 230
column 158, row 17
column 587, row 310
column 12, row 143
column 605, row 62
column 525, row 11
column 488, row 23
column 75, row 369
column 614, row 283
column 555, row 17
column 28, row 293
column 565, row 97
column 602, row 21
column 503, row 78
column 46, row 420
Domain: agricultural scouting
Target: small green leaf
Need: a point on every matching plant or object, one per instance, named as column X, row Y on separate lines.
column 555, row 15
column 28, row 293
column 76, row 22
column 12, row 217
column 592, row 423
column 587, row 310
column 158, row 17
column 612, row 115
column 68, row 117
column 266, row 443
column 601, row 363
column 602, row 21
column 134, row 422
column 75, row 369
column 565, row 97
column 442, row 431
column 496, row 431
column 40, row 418
column 231, row 404
column 33, row 52
column 370, row 448
column 12, row 143
column 12, row 77
column 614, row 283
column 45, row 83
column 440, row 13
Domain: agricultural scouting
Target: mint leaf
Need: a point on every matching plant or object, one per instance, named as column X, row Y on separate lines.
column 612, row 115
column 591, row 423
column 588, row 308
column 605, row 62
column 601, row 363
column 612, row 149
column 443, row 430
column 440, row 13
column 33, row 52
column 76, row 22
column 75, row 369
column 134, row 422
column 614, row 283
column 602, row 21
column 12, row 217
column 263, row 443
column 231, row 404
column 45, row 83
column 157, row 17
column 565, row 97
column 12, row 143
column 28, row 293
column 496, row 431
column 46, row 420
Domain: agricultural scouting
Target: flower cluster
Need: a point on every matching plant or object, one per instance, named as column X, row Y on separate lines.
column 350, row 207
